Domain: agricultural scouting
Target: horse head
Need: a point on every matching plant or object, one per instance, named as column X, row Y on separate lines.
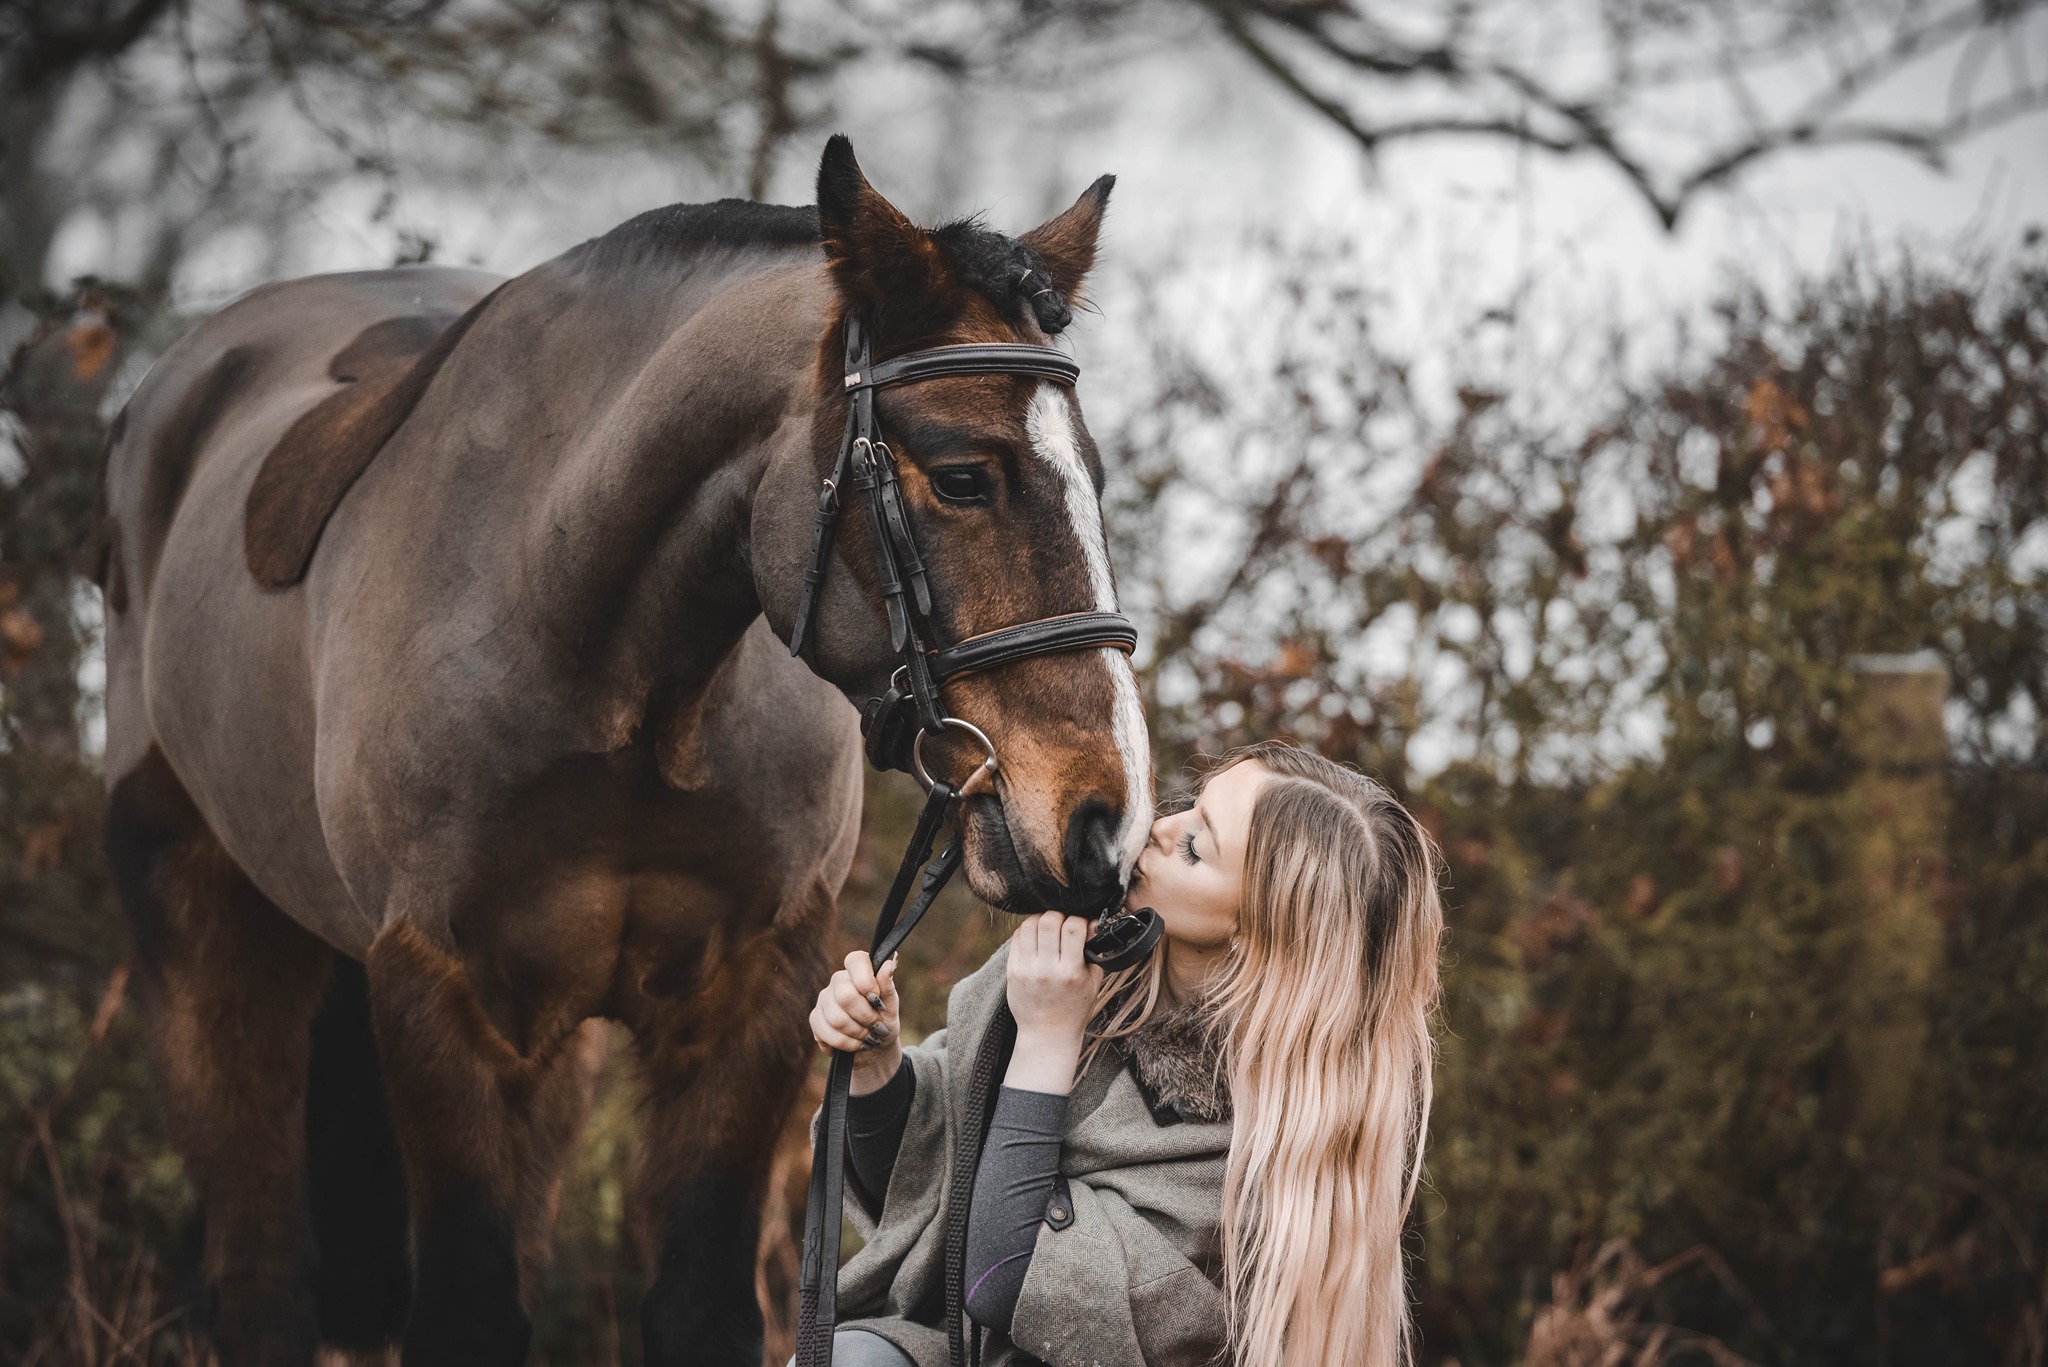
column 1000, row 486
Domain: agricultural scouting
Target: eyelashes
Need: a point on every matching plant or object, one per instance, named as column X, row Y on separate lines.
column 1187, row 848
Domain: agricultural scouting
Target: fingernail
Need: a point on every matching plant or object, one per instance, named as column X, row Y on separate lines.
column 875, row 1000
column 878, row 1033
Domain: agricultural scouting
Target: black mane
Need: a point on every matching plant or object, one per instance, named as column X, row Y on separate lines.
column 728, row 223
column 1008, row 272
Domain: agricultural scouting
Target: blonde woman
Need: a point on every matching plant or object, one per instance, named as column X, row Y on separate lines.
column 1207, row 1159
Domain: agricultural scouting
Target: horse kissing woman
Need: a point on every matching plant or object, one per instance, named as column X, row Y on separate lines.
column 1203, row 1159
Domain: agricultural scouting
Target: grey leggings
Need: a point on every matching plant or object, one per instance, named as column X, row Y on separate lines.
column 859, row 1348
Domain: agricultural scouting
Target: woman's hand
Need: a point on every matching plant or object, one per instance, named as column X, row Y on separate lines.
column 1052, row 994
column 857, row 1014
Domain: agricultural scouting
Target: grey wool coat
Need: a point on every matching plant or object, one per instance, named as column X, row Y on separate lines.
column 1130, row 1280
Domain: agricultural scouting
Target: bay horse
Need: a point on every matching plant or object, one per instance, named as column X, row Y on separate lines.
column 448, row 711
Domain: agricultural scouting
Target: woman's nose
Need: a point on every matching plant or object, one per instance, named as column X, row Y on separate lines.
column 1156, row 837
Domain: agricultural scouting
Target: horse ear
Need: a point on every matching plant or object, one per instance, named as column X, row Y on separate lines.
column 878, row 257
column 1068, row 242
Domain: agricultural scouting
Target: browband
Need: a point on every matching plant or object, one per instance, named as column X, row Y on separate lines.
column 984, row 358
column 1074, row 631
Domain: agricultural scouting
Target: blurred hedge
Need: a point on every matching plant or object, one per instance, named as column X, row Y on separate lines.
column 1747, row 971
column 1766, row 994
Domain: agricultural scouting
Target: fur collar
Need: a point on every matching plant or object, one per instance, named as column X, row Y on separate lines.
column 1177, row 1065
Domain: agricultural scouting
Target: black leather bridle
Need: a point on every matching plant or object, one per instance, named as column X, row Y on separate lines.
column 895, row 722
column 895, row 726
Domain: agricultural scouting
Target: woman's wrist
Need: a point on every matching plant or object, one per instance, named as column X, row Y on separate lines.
column 1044, row 1060
column 872, row 1068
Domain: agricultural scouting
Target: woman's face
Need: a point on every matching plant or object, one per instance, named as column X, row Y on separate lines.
column 1192, row 869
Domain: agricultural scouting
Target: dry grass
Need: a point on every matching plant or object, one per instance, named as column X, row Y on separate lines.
column 1594, row 1318
column 113, row 1311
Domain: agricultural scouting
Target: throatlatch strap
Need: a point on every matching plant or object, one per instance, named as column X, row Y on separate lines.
column 818, row 1281
column 830, row 498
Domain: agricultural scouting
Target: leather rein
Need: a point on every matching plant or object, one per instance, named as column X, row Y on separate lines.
column 895, row 725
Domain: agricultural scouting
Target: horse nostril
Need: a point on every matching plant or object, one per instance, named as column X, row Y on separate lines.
column 1093, row 873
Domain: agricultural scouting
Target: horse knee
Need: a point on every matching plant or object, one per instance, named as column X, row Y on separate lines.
column 447, row 1069
column 721, row 1104
column 482, row 1129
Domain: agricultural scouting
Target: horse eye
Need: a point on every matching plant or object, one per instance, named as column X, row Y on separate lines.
column 961, row 484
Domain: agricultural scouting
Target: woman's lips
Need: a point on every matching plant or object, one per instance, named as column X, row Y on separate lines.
column 1132, row 889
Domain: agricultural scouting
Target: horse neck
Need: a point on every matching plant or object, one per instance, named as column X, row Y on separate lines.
column 643, row 524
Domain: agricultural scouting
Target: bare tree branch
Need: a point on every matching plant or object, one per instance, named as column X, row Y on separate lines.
column 1345, row 58
column 778, row 116
column 45, row 42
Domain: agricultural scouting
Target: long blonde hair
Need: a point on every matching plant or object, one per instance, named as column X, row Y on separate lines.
column 1322, row 1011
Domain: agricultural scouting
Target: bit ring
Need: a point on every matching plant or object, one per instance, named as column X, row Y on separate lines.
column 988, row 766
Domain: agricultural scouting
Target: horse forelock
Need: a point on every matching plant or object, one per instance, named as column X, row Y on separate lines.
column 1008, row 273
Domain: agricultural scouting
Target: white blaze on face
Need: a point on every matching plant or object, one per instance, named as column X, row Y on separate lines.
column 1050, row 422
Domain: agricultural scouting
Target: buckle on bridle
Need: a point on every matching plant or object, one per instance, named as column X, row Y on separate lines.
column 1124, row 939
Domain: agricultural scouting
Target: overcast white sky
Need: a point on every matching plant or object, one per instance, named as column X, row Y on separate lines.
column 1207, row 151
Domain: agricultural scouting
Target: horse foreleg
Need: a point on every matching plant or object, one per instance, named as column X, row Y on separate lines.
column 724, row 1068
column 231, row 986
column 483, row 1130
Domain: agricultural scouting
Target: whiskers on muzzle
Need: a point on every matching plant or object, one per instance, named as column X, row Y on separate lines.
column 1083, row 875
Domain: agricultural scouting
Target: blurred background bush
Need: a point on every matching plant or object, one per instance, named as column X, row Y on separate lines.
column 1691, row 588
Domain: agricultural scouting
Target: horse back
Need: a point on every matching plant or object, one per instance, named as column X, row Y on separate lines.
column 320, row 340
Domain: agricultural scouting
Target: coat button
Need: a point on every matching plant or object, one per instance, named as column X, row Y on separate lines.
column 1058, row 1212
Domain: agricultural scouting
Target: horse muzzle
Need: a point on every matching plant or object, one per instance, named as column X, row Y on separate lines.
column 1080, row 875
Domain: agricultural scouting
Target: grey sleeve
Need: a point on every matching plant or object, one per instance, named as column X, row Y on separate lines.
column 874, row 1132
column 1020, row 1166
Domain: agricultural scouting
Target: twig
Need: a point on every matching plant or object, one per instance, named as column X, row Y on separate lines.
column 1571, row 124
column 67, row 1215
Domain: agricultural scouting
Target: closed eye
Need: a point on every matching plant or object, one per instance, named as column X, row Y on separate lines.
column 967, row 485
column 1187, row 848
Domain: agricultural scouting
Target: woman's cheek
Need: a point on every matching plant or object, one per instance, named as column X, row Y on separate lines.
column 1219, row 917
